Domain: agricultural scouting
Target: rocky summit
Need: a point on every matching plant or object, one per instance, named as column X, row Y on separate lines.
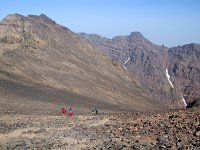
column 170, row 75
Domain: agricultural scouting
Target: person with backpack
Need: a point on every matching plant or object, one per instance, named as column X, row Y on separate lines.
column 96, row 110
column 70, row 112
column 64, row 111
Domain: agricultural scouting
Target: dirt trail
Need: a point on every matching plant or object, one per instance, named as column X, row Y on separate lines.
column 154, row 130
column 100, row 122
column 5, row 137
column 61, row 129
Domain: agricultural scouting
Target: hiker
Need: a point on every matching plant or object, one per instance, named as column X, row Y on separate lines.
column 95, row 111
column 64, row 111
column 70, row 112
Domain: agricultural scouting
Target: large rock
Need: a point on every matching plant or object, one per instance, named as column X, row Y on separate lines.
column 195, row 103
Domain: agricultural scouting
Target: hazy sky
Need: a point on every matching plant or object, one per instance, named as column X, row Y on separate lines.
column 169, row 22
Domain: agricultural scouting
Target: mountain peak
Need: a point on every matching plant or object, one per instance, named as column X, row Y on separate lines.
column 136, row 33
column 136, row 36
column 45, row 18
column 42, row 17
column 91, row 35
column 12, row 17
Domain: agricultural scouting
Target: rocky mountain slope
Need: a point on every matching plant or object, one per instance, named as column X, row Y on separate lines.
column 43, row 64
column 184, row 67
column 170, row 75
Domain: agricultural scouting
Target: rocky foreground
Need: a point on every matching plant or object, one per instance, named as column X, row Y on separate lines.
column 177, row 129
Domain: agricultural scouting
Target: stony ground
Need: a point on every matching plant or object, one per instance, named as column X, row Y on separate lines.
column 177, row 129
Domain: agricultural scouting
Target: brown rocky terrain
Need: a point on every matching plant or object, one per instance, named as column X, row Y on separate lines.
column 152, row 64
column 44, row 64
column 177, row 129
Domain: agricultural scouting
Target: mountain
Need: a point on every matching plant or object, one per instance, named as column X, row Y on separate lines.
column 171, row 75
column 44, row 66
column 185, row 69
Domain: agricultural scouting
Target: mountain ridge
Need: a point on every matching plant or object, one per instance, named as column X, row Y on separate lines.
column 38, row 54
column 150, row 63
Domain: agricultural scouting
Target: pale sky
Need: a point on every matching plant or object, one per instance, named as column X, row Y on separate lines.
column 168, row 22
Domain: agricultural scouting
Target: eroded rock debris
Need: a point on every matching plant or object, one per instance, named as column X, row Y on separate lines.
column 175, row 129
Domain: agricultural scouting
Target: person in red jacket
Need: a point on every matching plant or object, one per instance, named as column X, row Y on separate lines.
column 70, row 112
column 64, row 111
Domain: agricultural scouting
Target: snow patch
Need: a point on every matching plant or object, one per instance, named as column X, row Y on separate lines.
column 126, row 62
column 124, row 67
column 168, row 77
column 184, row 101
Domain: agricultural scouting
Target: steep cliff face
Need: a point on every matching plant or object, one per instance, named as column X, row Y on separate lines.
column 156, row 67
column 45, row 62
column 185, row 70
column 144, row 60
